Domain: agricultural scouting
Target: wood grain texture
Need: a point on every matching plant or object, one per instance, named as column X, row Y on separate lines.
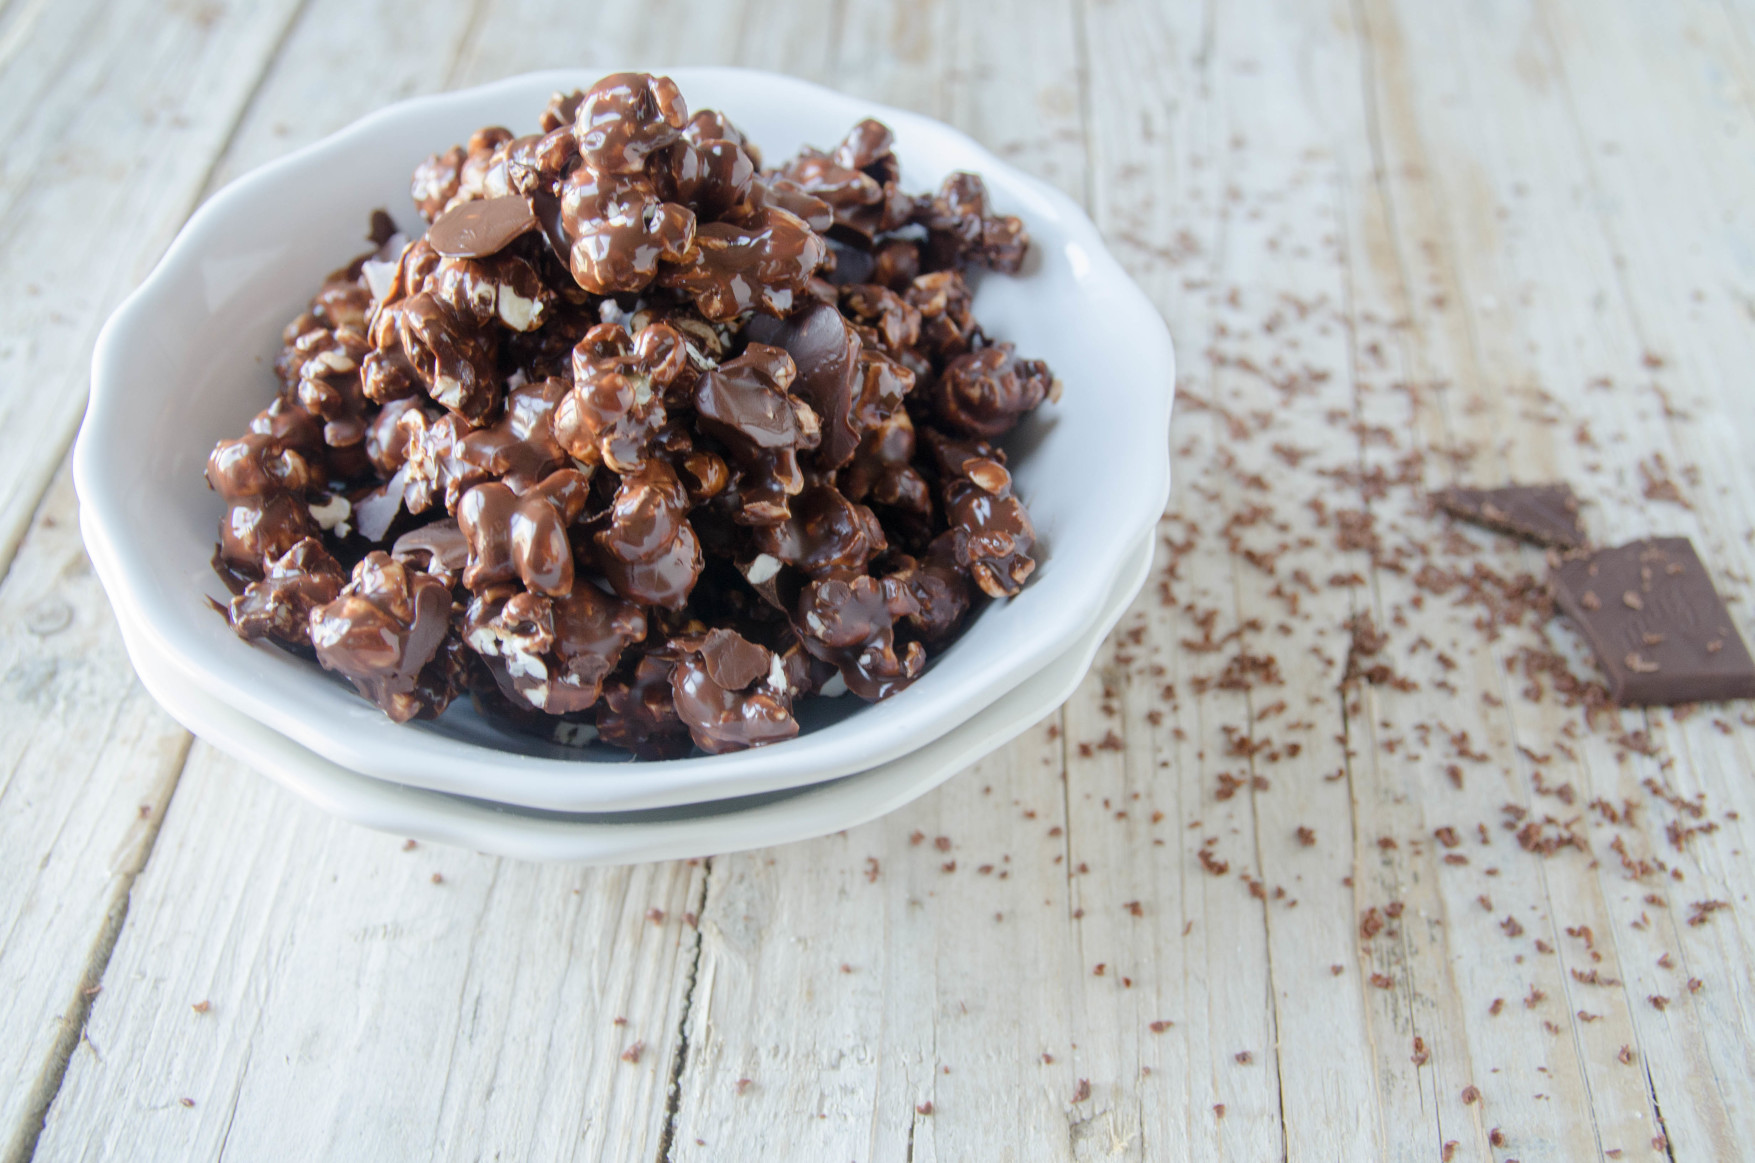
column 108, row 150
column 1246, row 896
column 843, row 1005
column 403, row 1004
column 87, row 764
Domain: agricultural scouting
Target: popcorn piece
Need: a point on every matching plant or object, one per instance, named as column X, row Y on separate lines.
column 724, row 690
column 746, row 404
column 280, row 605
column 551, row 653
column 617, row 402
column 850, row 623
column 523, row 534
column 384, row 632
column 262, row 481
column 985, row 393
column 960, row 228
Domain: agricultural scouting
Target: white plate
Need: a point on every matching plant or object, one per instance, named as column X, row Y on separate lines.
column 186, row 359
column 625, row 837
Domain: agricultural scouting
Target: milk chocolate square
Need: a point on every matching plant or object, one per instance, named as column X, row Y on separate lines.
column 1659, row 630
column 1545, row 514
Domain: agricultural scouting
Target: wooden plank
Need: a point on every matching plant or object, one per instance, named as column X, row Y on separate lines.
column 496, row 1072
column 91, row 807
column 1459, row 254
column 108, row 149
column 292, row 986
column 845, row 1003
column 1466, row 935
column 1488, row 180
column 1214, row 183
column 1674, row 224
column 87, row 764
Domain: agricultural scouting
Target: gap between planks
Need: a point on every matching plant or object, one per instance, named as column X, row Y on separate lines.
column 47, row 1085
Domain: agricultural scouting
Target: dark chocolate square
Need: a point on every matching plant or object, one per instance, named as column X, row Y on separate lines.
column 1659, row 630
column 1545, row 514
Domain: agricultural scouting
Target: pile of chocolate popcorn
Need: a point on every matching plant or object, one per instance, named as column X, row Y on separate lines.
column 640, row 437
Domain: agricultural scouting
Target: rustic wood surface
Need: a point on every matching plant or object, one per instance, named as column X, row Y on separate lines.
column 1243, row 897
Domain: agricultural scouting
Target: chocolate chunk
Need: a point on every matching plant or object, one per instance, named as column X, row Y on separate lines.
column 1673, row 642
column 732, row 660
column 707, row 689
column 1545, row 514
column 382, row 229
column 826, row 351
column 438, row 548
column 480, row 228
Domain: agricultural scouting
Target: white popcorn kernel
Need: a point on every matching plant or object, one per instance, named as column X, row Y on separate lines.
column 765, row 566
column 516, row 311
column 332, row 514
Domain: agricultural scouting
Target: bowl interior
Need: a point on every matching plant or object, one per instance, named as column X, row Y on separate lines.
column 188, row 361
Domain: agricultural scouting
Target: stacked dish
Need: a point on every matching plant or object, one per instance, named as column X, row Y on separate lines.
column 185, row 361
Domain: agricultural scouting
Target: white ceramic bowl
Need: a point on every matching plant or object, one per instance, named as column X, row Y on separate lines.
column 676, row 833
column 186, row 361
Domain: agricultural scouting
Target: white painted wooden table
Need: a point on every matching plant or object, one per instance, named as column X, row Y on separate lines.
column 1406, row 242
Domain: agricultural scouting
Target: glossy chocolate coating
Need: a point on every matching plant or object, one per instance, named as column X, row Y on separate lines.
column 763, row 263
column 650, row 509
column 503, row 289
column 262, row 482
column 745, row 403
column 642, row 444
column 617, row 404
column 824, row 534
column 947, row 325
column 883, row 470
column 626, row 117
column 280, row 605
column 382, row 631
column 551, row 653
column 481, row 228
column 720, row 712
column 711, row 125
column 712, row 178
column 621, row 230
column 436, row 181
column 455, row 364
column 438, row 548
column 520, row 447
column 639, row 712
column 961, row 229
column 851, row 623
column 523, row 535
column 664, row 579
column 825, row 350
column 895, row 321
column 985, row 393
column 991, row 529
